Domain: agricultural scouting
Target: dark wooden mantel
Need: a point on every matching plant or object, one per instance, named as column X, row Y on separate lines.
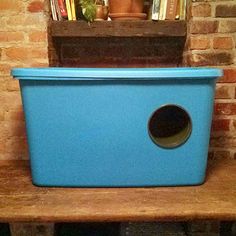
column 141, row 28
column 22, row 201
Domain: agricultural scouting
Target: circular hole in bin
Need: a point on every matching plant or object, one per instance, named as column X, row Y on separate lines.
column 170, row 126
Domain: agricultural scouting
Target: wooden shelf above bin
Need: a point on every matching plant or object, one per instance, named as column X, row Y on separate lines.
column 140, row 28
column 20, row 201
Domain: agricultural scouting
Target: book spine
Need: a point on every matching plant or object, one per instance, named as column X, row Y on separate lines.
column 58, row 10
column 68, row 8
column 163, row 10
column 53, row 10
column 62, row 7
column 177, row 16
column 72, row 2
column 155, row 9
column 183, row 7
column 171, row 9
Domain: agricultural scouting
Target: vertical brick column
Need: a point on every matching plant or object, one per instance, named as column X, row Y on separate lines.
column 212, row 43
column 23, row 43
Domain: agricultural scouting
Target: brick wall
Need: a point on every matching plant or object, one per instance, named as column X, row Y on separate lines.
column 23, row 43
column 212, row 42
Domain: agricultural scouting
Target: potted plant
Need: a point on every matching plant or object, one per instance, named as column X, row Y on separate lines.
column 94, row 10
column 88, row 8
column 101, row 10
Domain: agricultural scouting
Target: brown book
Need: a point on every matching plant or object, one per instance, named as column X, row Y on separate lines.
column 171, row 9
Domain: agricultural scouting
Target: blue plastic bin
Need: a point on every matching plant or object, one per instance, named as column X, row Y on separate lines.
column 118, row 127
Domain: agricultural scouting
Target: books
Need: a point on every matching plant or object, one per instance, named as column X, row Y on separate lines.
column 183, row 6
column 63, row 9
column 68, row 9
column 169, row 10
column 53, row 10
column 155, row 9
column 159, row 10
column 72, row 3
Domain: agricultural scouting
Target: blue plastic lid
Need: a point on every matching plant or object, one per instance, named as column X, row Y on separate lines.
column 61, row 73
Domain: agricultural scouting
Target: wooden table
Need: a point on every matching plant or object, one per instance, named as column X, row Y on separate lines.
column 20, row 201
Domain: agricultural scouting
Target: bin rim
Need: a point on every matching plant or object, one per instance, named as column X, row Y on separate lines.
column 63, row 73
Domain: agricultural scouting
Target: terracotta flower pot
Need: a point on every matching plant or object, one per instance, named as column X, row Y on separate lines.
column 101, row 12
column 126, row 6
column 137, row 6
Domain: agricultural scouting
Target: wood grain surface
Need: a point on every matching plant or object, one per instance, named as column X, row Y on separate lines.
column 140, row 28
column 20, row 201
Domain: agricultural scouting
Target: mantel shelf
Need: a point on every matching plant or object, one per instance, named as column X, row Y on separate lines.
column 141, row 28
column 21, row 201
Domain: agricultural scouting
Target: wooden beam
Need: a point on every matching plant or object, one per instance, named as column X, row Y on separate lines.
column 118, row 29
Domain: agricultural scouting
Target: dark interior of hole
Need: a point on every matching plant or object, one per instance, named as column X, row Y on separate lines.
column 168, row 121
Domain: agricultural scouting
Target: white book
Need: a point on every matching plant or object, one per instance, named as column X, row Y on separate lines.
column 53, row 10
column 58, row 10
column 155, row 9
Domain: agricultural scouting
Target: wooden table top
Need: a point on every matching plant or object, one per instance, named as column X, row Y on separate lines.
column 22, row 201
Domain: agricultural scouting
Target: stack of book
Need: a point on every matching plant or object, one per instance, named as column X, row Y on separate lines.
column 63, row 9
column 169, row 10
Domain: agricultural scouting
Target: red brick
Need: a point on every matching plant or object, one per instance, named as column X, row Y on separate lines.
column 211, row 59
column 13, row 128
column 224, row 10
column 14, row 115
column 11, row 36
column 30, row 20
column 199, row 43
column 223, row 142
column 7, row 5
column 219, row 155
column 38, row 64
column 10, row 100
column 16, row 53
column 1, row 115
column 227, row 26
column 38, row 36
column 36, row 6
column 12, row 85
column 229, row 76
column 2, row 86
column 225, row 109
column 203, row 27
column 5, row 69
column 15, row 21
column 224, row 92
column 234, row 124
column 211, row 155
column 2, row 146
column 17, row 145
column 223, row 43
column 220, row 125
column 201, row 10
